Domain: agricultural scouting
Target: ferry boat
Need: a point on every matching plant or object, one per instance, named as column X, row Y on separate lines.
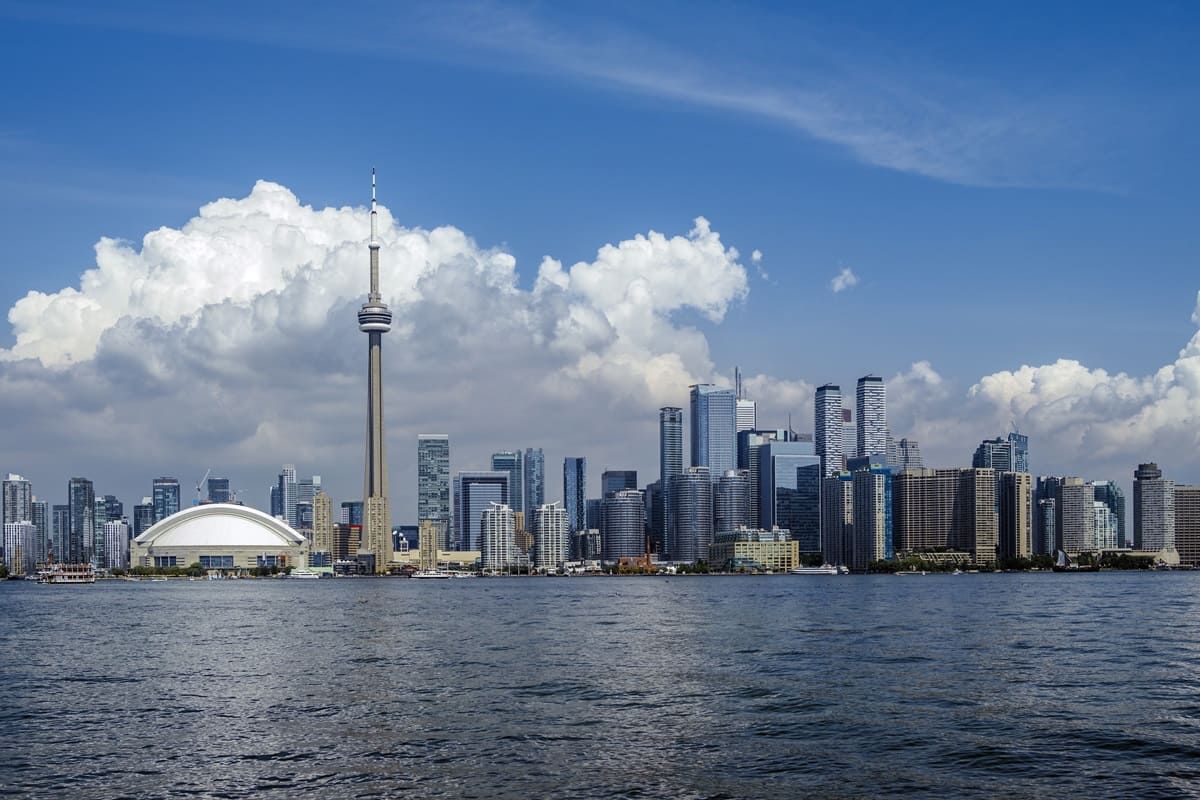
column 824, row 569
column 305, row 574
column 431, row 575
column 66, row 573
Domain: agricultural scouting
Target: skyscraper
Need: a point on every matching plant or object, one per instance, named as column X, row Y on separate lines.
column 510, row 461
column 288, row 493
column 165, row 494
column 1187, row 524
column 20, row 547
column 670, row 462
column 1111, row 495
column 908, row 455
column 731, row 501
column 837, row 519
column 1075, row 518
column 1153, row 509
column 551, row 537
column 871, row 537
column 375, row 319
column 616, row 480
column 496, row 531
column 474, row 492
column 575, row 492
column 61, row 526
column 143, row 516
column 945, row 509
column 692, row 496
column 623, row 525
column 41, row 521
column 322, row 523
column 535, row 481
column 827, row 430
column 1015, row 504
column 433, row 476
column 18, row 499
column 714, row 428
column 81, row 499
column 749, row 443
column 870, row 406
column 116, row 545
column 746, row 411
column 789, row 491
column 218, row 490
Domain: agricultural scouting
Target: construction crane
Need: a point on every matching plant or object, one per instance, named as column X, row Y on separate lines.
column 201, row 484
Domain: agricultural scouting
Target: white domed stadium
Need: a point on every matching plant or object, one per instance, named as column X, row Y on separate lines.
column 220, row 536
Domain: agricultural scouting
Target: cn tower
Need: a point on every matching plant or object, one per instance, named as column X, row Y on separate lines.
column 375, row 319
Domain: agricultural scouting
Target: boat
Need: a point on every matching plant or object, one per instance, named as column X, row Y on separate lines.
column 67, row 573
column 431, row 575
column 305, row 574
column 912, row 572
column 824, row 569
column 1064, row 564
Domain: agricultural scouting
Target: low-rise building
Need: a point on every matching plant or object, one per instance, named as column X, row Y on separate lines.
column 754, row 549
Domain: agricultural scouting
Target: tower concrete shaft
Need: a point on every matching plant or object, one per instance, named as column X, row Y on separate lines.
column 375, row 319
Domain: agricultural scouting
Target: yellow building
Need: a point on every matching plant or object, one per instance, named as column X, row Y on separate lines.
column 753, row 549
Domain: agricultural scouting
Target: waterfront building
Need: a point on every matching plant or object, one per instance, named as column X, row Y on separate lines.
column 1153, row 509
column 510, row 461
column 1104, row 527
column 692, row 498
column 908, row 456
column 617, row 480
column 346, row 539
column 870, row 406
column 535, row 480
column 754, row 550
column 116, row 545
column 474, row 493
column 1187, row 524
column 837, row 518
column 654, row 518
column 166, row 498
column 789, row 476
column 1074, row 522
column 1015, row 509
column 551, row 537
column 1110, row 494
column 20, row 548
column 218, row 490
column 220, row 536
column 1047, row 534
column 731, row 502
column 497, row 528
column 713, row 428
column 670, row 462
column 575, row 492
column 623, row 525
column 81, row 497
column 431, row 537
column 946, row 510
column 322, row 523
column 872, row 534
column 827, row 429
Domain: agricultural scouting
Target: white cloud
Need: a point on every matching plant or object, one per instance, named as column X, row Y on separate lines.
column 845, row 279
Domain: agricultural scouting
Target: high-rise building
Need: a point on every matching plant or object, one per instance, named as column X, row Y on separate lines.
column 746, row 415
column 623, row 525
column 617, row 480
column 277, row 503
column 116, row 545
column 18, row 499
column 1104, row 527
column 351, row 512
column 1111, row 495
column 731, row 501
column 375, row 319
column 789, row 491
column 946, row 509
column 433, row 476
column 1020, row 451
column 551, row 537
column 143, row 516
column 322, row 523
column 474, row 493
column 534, row 481
column 670, row 462
column 827, row 429
column 714, row 428
column 346, row 538
column 872, row 537
column 431, row 535
column 218, row 490
column 1074, row 518
column 510, row 461
column 497, row 527
column 849, row 435
column 1153, row 509
column 20, row 547
column 908, row 456
column 870, row 406
column 306, row 490
column 81, row 498
column 837, row 519
column 1010, row 454
column 41, row 522
column 288, row 493
column 1015, row 507
column 1187, row 524
column 692, row 531
column 165, row 494
column 61, row 525
column 749, row 443
column 575, row 492
column 593, row 511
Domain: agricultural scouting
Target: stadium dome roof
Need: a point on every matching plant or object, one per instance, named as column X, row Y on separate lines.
column 219, row 525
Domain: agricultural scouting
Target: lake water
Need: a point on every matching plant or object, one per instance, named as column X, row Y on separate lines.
column 1035, row 685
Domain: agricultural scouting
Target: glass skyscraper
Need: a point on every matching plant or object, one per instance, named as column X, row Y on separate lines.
column 1111, row 495
column 616, row 480
column 165, row 496
column 510, row 461
column 713, row 428
column 475, row 491
column 623, row 525
column 81, row 499
column 575, row 492
column 789, row 476
column 692, row 496
column 535, row 482
column 670, row 462
column 433, row 476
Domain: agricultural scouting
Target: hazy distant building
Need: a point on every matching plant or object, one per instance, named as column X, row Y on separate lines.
column 837, row 518
column 1187, row 524
column 575, row 492
column 592, row 512
column 732, row 501
column 510, row 461
column 534, row 483
column 870, row 406
column 1010, row 454
column 41, row 522
column 692, row 498
column 1015, row 508
column 713, row 428
column 617, row 480
column 497, row 530
column 623, row 525
column 789, row 477
column 827, row 430
column 1153, row 509
column 849, row 435
column 1111, row 495
column 908, row 456
column 60, row 526
column 474, row 493
column 551, row 537
column 351, row 512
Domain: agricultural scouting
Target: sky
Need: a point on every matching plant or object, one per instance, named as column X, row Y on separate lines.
column 586, row 210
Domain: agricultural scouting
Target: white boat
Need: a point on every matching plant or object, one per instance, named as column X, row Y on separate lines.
column 67, row 573
column 305, row 574
column 431, row 575
column 824, row 569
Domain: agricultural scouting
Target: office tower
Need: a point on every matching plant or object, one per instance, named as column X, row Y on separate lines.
column 41, row 522
column 749, row 443
column 143, row 516
column 617, row 480
column 165, row 492
column 433, row 476
column 431, row 538
column 551, row 537
column 218, row 490
column 592, row 513
column 474, row 493
column 306, row 490
column 375, row 319
column 945, row 509
column 655, row 517
column 871, row 536
column 789, row 493
column 18, row 499
column 99, row 518
column 1104, row 527
column 670, row 462
column 714, row 428
column 732, row 501
column 81, row 497
column 692, row 496
column 908, row 455
column 534, row 482
column 1074, row 518
column 288, row 493
column 623, row 525
column 1111, row 495
column 304, row 518
column 1187, row 524
column 827, row 429
column 351, row 512
column 1015, row 507
column 277, row 503
column 61, row 525
column 1153, row 509
column 116, row 545
column 994, row 454
column 510, row 461
column 746, row 415
column 1019, row 444
column 114, row 509
column 575, row 492
column 497, row 527
column 20, row 547
column 849, row 435
column 322, row 523
column 837, row 518
column 870, row 406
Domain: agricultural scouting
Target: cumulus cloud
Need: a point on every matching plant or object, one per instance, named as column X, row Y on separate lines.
column 845, row 279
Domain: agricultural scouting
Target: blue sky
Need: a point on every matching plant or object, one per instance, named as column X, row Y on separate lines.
column 1011, row 184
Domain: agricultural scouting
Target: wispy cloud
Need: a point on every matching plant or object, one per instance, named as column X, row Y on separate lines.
column 846, row 279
